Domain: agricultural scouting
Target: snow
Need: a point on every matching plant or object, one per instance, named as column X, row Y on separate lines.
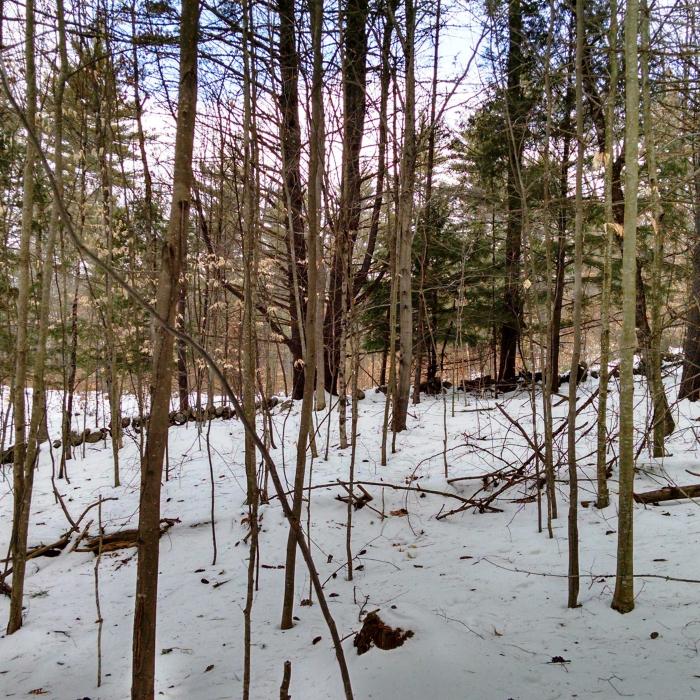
column 486, row 624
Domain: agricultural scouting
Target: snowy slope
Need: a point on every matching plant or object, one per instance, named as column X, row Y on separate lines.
column 482, row 630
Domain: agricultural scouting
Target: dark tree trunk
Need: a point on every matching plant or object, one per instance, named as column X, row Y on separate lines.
column 562, row 225
column 511, row 327
column 290, row 139
column 347, row 224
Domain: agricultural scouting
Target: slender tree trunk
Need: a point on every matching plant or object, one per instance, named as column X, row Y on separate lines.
column 393, row 296
column 149, row 203
column 603, row 499
column 623, row 600
column 312, row 319
column 550, row 376
column 143, row 670
column 66, row 447
column 690, row 380
column 427, row 223
column 578, row 304
column 21, row 475
column 250, row 218
column 562, row 226
column 103, row 127
column 405, row 227
column 662, row 422
column 182, row 379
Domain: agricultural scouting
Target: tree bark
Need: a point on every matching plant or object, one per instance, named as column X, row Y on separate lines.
column 668, row 493
column 249, row 234
column 143, row 670
column 511, row 327
column 405, row 227
column 623, row 600
column 562, row 228
column 662, row 421
column 23, row 470
column 690, row 380
column 290, row 140
column 578, row 304
column 603, row 496
column 350, row 206
column 314, row 221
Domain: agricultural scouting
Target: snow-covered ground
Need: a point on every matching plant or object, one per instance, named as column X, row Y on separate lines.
column 481, row 628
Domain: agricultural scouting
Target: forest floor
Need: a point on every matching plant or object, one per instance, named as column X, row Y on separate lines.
column 481, row 629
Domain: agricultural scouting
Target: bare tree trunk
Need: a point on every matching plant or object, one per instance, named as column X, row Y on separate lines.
column 290, row 139
column 249, row 234
column 690, row 381
column 603, row 499
column 23, row 469
column 662, row 422
column 143, row 670
column 578, row 304
column 566, row 134
column 550, row 376
column 393, row 294
column 104, row 100
column 511, row 328
column 405, row 226
column 623, row 600
column 312, row 318
column 66, row 447
column 427, row 223
column 182, row 378
column 350, row 206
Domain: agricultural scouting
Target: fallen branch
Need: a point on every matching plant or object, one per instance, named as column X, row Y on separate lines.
column 668, row 493
column 124, row 539
column 515, row 570
column 81, row 536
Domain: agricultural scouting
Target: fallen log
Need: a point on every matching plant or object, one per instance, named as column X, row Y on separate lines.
column 120, row 540
column 668, row 493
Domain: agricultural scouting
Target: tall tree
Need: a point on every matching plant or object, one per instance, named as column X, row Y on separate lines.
column 516, row 113
column 312, row 320
column 23, row 465
column 578, row 305
column 623, row 600
column 347, row 224
column 603, row 498
column 290, row 141
column 405, row 225
column 660, row 413
column 145, row 614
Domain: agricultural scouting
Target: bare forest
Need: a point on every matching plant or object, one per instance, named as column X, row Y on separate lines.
column 349, row 349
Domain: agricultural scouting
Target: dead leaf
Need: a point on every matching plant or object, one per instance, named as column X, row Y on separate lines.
column 399, row 513
column 618, row 229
